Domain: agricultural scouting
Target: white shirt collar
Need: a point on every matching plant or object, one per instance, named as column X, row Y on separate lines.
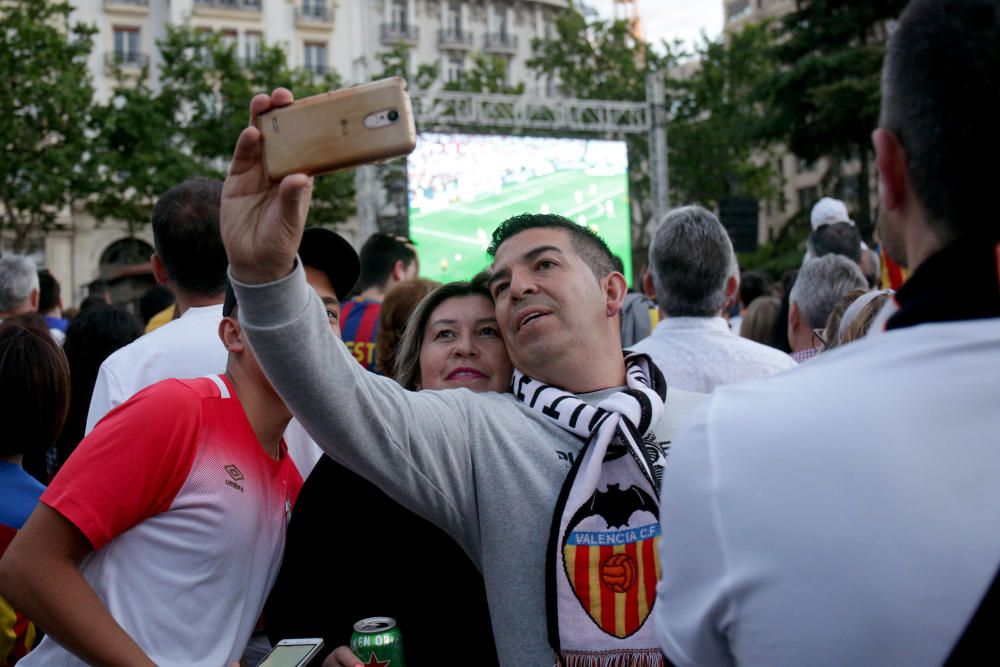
column 693, row 323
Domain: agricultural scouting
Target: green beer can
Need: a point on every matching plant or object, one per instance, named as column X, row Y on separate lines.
column 377, row 641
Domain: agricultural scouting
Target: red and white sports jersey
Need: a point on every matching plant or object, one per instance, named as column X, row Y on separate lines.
column 187, row 516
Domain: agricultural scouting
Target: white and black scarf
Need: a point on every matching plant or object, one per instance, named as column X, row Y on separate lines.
column 603, row 563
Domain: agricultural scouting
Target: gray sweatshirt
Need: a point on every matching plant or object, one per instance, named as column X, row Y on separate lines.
column 482, row 466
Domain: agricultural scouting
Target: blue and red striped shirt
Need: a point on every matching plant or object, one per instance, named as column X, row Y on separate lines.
column 358, row 327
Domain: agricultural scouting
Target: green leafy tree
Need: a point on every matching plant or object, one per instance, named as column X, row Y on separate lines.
column 151, row 140
column 45, row 93
column 488, row 74
column 713, row 145
column 396, row 62
column 823, row 98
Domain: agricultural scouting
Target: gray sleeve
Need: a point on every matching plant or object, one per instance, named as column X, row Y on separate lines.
column 413, row 445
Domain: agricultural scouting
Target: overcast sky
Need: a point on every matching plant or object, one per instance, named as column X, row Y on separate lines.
column 673, row 19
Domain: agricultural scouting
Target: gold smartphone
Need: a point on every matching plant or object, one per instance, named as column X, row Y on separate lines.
column 339, row 129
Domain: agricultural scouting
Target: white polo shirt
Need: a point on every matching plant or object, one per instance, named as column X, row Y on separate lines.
column 843, row 513
column 702, row 353
column 183, row 348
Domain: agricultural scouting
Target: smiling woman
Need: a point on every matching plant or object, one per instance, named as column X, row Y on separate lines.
column 452, row 340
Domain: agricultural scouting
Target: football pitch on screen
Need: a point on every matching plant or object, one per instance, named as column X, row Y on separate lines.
column 452, row 241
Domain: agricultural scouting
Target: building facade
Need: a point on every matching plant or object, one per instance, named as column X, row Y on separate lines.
column 318, row 35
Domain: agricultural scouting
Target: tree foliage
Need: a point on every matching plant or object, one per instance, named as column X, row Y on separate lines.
column 713, row 145
column 45, row 93
column 823, row 98
column 148, row 141
column 488, row 74
column 713, row 150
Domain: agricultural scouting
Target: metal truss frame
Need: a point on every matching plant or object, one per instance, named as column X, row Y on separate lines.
column 456, row 109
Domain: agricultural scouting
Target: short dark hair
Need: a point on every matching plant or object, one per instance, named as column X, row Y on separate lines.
column 940, row 95
column 588, row 245
column 187, row 237
column 34, row 388
column 97, row 287
column 90, row 339
column 753, row 284
column 153, row 301
column 48, row 291
column 379, row 254
column 841, row 238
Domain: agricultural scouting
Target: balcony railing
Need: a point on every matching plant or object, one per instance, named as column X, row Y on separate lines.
column 133, row 3
column 125, row 60
column 499, row 41
column 237, row 5
column 454, row 39
column 399, row 33
column 314, row 13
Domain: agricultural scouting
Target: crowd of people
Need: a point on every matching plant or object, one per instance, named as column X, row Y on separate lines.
column 722, row 467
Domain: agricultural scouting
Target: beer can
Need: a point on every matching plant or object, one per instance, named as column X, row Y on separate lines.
column 377, row 641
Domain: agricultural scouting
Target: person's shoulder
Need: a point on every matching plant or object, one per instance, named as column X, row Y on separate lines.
column 176, row 396
column 762, row 353
column 683, row 402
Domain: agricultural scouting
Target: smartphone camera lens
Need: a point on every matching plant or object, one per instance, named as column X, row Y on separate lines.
column 393, row 116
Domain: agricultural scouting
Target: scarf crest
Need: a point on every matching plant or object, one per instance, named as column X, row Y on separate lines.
column 602, row 563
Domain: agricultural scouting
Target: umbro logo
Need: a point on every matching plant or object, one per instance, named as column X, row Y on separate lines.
column 235, row 476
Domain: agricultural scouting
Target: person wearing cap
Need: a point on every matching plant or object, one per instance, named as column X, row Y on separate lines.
column 160, row 538
column 844, row 513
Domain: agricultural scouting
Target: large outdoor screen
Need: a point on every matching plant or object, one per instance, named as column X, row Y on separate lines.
column 463, row 185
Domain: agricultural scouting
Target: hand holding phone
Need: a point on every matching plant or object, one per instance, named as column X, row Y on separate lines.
column 261, row 221
column 292, row 652
column 340, row 129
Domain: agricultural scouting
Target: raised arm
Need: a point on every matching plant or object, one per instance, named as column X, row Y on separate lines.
column 414, row 446
column 40, row 576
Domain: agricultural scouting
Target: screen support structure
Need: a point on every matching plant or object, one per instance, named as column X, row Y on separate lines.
column 444, row 110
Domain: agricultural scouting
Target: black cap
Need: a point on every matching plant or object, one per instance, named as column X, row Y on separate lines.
column 328, row 251
column 322, row 249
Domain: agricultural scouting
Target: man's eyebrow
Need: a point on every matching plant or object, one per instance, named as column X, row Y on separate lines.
column 528, row 256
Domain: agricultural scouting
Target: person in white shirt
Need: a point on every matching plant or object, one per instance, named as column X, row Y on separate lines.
column 692, row 275
column 844, row 513
column 190, row 261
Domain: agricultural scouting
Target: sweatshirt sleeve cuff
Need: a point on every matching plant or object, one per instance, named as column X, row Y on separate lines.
column 272, row 304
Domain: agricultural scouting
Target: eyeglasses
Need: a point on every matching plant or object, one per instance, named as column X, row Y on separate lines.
column 818, row 338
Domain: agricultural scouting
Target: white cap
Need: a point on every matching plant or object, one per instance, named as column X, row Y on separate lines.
column 829, row 211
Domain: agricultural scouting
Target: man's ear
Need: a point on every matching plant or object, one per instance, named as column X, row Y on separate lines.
column 894, row 173
column 794, row 319
column 398, row 270
column 615, row 289
column 34, row 298
column 231, row 335
column 159, row 269
column 648, row 288
column 732, row 292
